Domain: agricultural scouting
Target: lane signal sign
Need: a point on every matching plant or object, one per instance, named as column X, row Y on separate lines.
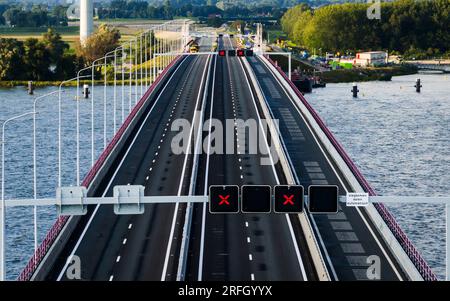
column 222, row 52
column 240, row 52
column 323, row 198
column 288, row 198
column 256, row 198
column 223, row 199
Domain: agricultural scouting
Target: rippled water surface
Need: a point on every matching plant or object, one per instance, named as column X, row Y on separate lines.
column 19, row 155
column 400, row 140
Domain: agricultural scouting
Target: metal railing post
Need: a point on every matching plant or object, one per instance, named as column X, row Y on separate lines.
column 3, row 206
column 35, row 166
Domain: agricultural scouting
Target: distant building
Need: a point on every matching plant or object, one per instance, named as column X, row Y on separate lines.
column 371, row 58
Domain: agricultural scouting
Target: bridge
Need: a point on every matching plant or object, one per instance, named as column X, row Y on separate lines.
column 176, row 237
column 432, row 65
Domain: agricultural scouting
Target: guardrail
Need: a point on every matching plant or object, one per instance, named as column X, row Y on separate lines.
column 412, row 252
column 57, row 227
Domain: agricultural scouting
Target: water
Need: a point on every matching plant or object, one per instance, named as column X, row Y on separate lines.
column 400, row 140
column 19, row 156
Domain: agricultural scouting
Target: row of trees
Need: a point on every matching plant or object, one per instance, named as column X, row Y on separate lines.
column 50, row 58
column 37, row 16
column 169, row 9
column 406, row 26
column 37, row 59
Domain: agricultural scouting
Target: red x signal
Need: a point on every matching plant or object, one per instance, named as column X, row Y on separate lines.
column 288, row 199
column 240, row 52
column 224, row 200
column 221, row 52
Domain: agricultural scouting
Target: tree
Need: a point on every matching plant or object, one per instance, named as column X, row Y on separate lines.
column 37, row 60
column 406, row 26
column 11, row 59
column 291, row 16
column 105, row 39
column 56, row 49
column 168, row 13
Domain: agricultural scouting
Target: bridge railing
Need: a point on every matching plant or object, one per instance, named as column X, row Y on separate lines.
column 407, row 245
column 61, row 221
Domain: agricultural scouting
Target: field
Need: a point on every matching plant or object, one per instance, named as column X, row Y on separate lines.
column 69, row 34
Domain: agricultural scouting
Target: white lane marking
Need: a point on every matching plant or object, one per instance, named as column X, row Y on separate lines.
column 248, row 239
column 115, row 173
column 147, row 178
column 111, row 278
column 196, row 158
column 174, row 219
column 124, row 242
column 205, row 190
column 118, row 258
column 130, row 225
column 340, row 180
column 246, row 224
column 294, row 240
column 250, row 257
column 150, row 168
column 252, row 276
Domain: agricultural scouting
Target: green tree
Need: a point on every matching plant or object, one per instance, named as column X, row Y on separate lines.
column 168, row 11
column 56, row 48
column 37, row 60
column 104, row 39
column 11, row 59
column 291, row 16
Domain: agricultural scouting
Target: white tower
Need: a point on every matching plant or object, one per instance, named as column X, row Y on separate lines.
column 86, row 19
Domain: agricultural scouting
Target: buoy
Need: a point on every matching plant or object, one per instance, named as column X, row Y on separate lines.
column 418, row 85
column 355, row 90
column 30, row 87
column 86, row 90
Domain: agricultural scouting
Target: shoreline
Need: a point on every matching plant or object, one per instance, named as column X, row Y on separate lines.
column 352, row 75
column 332, row 76
column 367, row 74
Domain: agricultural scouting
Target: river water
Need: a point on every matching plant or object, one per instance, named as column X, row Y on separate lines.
column 19, row 155
column 399, row 139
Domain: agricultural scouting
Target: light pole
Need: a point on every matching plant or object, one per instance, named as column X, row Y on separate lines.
column 35, row 165
column 60, row 125
column 78, row 122
column 3, row 207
